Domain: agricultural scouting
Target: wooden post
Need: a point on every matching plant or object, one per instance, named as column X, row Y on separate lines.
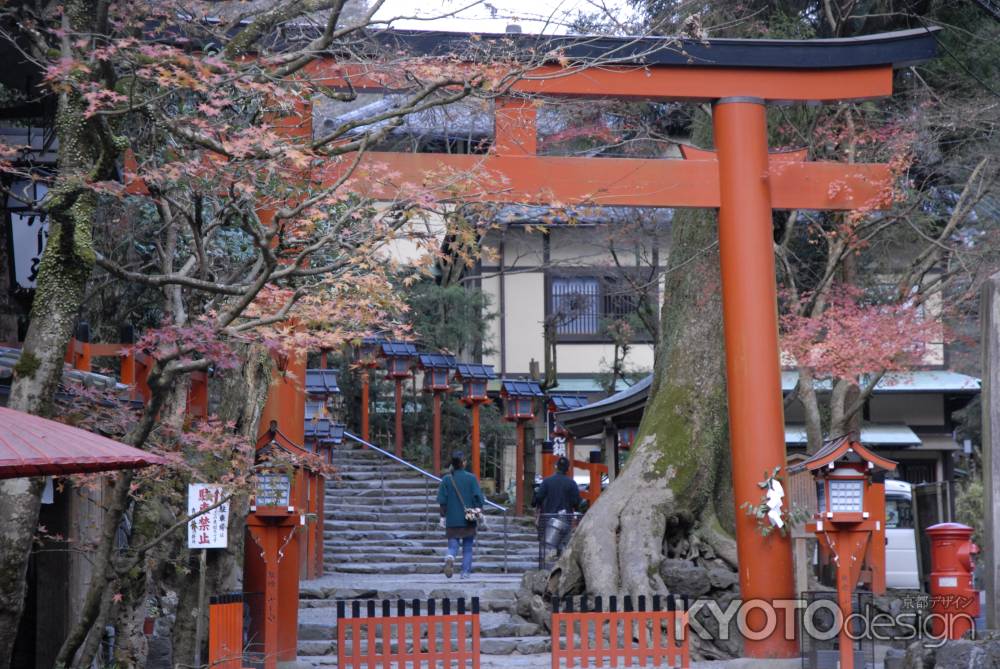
column 199, row 625
column 399, row 417
column 519, row 470
column 753, row 367
column 475, row 439
column 990, row 314
column 437, row 434
column 365, row 401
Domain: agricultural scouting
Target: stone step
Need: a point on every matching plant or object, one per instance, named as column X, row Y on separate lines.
column 391, row 515
column 420, row 558
column 333, row 524
column 488, row 567
column 417, row 548
column 312, row 597
column 425, row 544
column 495, row 605
column 323, row 627
column 528, row 645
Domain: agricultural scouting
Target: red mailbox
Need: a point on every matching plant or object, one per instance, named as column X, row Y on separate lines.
column 954, row 602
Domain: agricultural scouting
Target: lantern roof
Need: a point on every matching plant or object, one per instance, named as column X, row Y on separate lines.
column 398, row 349
column 321, row 382
column 437, row 361
column 522, row 388
column 841, row 448
column 275, row 444
column 469, row 371
column 324, row 431
column 564, row 402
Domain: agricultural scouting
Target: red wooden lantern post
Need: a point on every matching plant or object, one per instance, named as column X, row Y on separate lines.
column 322, row 392
column 474, row 379
column 437, row 368
column 851, row 510
column 277, row 509
column 399, row 357
column 366, row 358
column 519, row 407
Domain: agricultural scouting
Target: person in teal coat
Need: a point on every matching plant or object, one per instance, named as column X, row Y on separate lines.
column 459, row 491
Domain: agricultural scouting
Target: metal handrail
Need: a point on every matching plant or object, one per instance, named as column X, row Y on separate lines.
column 356, row 438
column 395, row 458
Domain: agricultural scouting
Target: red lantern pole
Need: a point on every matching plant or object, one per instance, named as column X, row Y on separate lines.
column 519, row 471
column 475, row 439
column 399, row 417
column 437, row 432
column 365, row 389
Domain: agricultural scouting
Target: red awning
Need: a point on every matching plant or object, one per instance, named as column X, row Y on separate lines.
column 35, row 446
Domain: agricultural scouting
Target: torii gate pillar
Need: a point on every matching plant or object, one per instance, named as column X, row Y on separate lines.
column 753, row 365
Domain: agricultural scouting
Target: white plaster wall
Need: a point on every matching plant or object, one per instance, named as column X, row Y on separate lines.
column 587, row 358
column 491, row 287
column 525, row 298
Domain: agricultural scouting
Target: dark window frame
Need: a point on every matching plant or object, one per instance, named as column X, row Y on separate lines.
column 604, row 276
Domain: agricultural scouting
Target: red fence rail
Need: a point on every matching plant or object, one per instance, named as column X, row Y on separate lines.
column 428, row 640
column 225, row 632
column 635, row 636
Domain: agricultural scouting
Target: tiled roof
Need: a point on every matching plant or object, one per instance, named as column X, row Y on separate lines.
column 522, row 388
column 917, row 381
column 399, row 349
column 321, row 382
column 10, row 356
column 437, row 360
column 467, row 370
column 565, row 402
column 35, row 446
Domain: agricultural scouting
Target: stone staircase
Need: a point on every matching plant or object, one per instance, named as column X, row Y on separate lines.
column 382, row 518
column 502, row 631
column 382, row 541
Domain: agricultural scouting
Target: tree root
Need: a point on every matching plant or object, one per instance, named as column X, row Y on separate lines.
column 618, row 547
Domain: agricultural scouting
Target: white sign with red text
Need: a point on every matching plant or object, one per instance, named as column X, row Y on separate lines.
column 210, row 529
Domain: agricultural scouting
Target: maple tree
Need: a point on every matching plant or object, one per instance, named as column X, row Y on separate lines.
column 190, row 173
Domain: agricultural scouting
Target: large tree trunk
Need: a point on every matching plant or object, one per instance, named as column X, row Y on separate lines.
column 171, row 572
column 666, row 523
column 63, row 272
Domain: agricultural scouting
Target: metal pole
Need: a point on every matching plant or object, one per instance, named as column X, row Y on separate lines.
column 990, row 314
column 753, row 368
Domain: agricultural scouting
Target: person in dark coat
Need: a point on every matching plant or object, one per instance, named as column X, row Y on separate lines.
column 459, row 491
column 557, row 495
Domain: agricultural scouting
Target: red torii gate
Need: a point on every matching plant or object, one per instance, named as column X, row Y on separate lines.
column 739, row 78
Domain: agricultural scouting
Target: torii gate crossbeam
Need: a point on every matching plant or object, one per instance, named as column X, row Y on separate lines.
column 744, row 181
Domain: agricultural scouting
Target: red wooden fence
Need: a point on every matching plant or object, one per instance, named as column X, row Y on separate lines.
column 430, row 640
column 593, row 637
column 225, row 632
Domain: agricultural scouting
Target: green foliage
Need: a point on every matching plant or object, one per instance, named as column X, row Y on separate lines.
column 449, row 318
column 970, row 507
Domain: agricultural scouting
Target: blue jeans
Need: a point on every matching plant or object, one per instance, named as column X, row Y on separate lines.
column 466, row 552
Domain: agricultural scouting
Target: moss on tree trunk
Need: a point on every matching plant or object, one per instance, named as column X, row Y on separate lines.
column 675, row 491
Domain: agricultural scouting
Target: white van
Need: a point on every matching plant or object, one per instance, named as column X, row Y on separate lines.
column 901, row 569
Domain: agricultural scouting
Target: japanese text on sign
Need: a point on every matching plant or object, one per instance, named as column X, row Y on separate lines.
column 210, row 529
